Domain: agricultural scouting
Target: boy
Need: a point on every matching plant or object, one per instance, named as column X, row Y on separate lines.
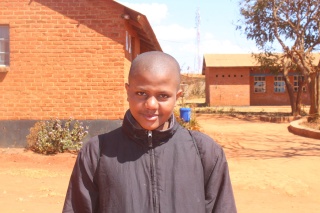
column 151, row 164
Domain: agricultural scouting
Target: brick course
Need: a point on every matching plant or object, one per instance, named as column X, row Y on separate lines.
column 67, row 59
column 271, row 98
column 235, row 87
column 227, row 87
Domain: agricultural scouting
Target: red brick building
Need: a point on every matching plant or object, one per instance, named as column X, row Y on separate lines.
column 66, row 59
column 232, row 80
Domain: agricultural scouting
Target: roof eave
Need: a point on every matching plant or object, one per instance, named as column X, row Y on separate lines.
column 140, row 23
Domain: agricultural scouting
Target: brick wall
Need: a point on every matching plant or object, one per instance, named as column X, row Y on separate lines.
column 270, row 98
column 67, row 58
column 228, row 87
column 235, row 87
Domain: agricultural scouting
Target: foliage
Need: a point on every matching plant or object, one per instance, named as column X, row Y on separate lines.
column 290, row 23
column 197, row 90
column 232, row 111
column 220, row 111
column 280, row 64
column 50, row 137
column 192, row 86
column 295, row 26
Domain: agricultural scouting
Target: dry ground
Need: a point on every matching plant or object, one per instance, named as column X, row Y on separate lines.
column 271, row 169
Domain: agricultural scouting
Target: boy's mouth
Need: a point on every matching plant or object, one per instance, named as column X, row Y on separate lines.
column 151, row 117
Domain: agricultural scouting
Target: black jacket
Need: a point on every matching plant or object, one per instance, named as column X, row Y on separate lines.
column 138, row 171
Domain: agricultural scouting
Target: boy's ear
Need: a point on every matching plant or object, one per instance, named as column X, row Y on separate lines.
column 179, row 93
column 127, row 89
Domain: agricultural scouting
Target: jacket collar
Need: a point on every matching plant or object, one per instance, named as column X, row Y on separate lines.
column 139, row 135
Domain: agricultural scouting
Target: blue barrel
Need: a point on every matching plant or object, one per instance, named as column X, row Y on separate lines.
column 185, row 114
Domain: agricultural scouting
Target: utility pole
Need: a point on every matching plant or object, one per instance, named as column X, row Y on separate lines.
column 198, row 57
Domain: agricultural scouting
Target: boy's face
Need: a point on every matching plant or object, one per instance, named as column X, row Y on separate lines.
column 152, row 97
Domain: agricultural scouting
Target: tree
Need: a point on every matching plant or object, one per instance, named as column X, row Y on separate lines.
column 279, row 64
column 294, row 25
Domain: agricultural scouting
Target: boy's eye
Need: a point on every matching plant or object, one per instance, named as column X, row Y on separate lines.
column 141, row 93
column 163, row 96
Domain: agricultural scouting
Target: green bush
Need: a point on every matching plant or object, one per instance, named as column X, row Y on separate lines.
column 51, row 137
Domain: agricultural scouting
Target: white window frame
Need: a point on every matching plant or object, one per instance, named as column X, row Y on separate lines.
column 4, row 46
column 128, row 42
column 296, row 79
column 259, row 84
column 279, row 86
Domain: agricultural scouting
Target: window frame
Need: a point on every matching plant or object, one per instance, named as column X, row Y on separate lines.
column 279, row 85
column 296, row 83
column 128, row 42
column 259, row 84
column 4, row 46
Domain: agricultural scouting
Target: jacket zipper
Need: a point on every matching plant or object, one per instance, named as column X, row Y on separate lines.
column 153, row 176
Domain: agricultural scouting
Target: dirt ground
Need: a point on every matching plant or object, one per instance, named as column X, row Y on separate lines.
column 271, row 169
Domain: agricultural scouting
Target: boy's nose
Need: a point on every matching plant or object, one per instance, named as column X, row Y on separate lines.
column 152, row 103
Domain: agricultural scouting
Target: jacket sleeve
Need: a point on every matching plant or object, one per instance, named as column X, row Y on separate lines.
column 218, row 189
column 82, row 193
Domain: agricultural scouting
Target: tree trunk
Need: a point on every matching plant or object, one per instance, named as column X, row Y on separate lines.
column 298, row 100
column 300, row 89
column 292, row 99
column 314, row 97
column 318, row 93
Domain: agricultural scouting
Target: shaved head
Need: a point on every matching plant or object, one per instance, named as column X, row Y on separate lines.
column 155, row 63
column 153, row 88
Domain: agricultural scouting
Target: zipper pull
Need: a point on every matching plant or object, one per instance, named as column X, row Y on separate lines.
column 150, row 138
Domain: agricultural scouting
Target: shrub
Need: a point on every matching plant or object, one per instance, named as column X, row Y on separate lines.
column 232, row 111
column 198, row 90
column 50, row 137
column 193, row 124
column 220, row 111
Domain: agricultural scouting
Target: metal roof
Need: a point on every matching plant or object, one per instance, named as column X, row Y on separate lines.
column 239, row 60
column 230, row 60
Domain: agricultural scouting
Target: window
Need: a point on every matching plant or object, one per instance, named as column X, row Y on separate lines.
column 296, row 80
column 4, row 45
column 279, row 84
column 259, row 84
column 128, row 42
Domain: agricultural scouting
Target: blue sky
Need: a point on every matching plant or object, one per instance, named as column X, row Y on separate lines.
column 174, row 23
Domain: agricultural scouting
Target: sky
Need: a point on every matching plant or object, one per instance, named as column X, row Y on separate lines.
column 175, row 26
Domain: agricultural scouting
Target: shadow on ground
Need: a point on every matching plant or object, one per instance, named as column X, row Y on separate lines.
column 252, row 138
